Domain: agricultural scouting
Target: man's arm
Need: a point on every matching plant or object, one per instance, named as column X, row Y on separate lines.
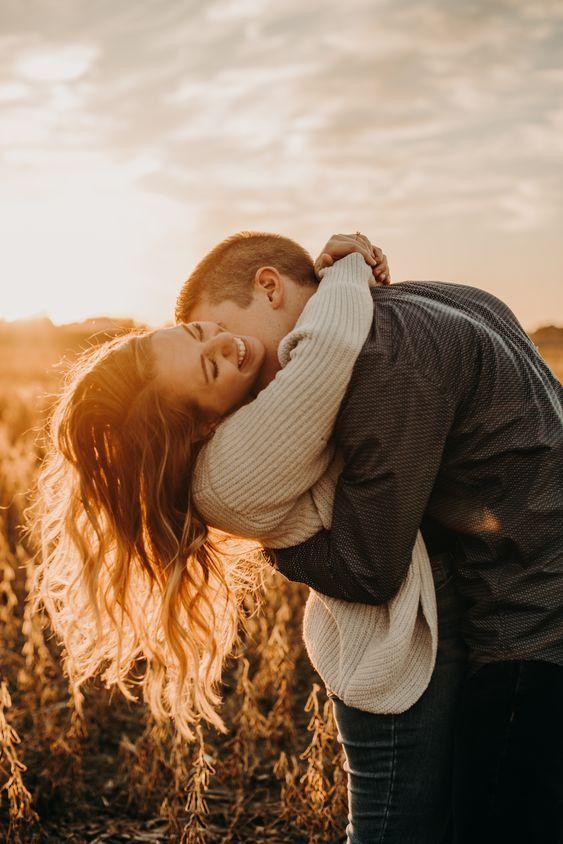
column 392, row 433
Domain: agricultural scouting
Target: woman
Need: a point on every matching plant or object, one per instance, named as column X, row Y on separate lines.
column 129, row 568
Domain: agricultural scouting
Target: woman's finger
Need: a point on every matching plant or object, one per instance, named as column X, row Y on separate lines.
column 341, row 245
column 381, row 261
column 322, row 263
column 343, row 248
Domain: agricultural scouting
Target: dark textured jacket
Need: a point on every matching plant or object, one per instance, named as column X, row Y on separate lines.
column 451, row 422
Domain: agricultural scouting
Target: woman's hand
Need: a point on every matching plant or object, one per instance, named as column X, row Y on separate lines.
column 340, row 245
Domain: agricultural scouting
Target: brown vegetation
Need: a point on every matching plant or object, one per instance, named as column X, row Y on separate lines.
column 115, row 775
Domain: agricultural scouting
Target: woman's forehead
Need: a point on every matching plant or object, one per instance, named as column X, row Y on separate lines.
column 174, row 343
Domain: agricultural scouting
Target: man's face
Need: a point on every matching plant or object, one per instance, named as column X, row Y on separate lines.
column 271, row 315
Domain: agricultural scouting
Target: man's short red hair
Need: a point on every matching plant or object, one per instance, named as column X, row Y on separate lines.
column 228, row 271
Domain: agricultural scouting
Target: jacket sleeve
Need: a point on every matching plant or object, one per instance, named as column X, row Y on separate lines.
column 392, row 442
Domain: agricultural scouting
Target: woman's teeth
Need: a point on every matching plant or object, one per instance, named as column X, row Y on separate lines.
column 241, row 350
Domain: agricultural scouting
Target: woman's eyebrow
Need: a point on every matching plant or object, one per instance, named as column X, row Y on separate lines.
column 201, row 358
column 189, row 330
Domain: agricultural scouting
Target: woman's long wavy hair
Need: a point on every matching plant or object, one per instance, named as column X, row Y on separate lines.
column 128, row 571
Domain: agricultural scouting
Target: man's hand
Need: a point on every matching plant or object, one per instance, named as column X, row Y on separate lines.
column 341, row 245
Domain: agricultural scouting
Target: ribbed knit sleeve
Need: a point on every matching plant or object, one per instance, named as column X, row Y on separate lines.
column 262, row 458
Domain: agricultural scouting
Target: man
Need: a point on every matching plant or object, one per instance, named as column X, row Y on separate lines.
column 451, row 423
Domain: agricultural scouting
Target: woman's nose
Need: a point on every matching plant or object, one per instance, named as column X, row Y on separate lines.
column 222, row 342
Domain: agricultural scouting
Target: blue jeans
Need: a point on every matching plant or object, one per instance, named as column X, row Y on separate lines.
column 400, row 766
column 508, row 780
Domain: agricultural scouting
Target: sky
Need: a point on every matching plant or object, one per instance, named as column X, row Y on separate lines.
column 135, row 135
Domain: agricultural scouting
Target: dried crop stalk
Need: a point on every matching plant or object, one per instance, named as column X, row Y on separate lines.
column 194, row 831
column 20, row 808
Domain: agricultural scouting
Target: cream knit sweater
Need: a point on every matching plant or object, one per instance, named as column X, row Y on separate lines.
column 269, row 473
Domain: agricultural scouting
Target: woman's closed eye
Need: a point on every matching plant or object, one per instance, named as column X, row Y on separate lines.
column 212, row 361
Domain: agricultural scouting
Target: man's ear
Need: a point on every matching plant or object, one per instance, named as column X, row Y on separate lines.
column 269, row 282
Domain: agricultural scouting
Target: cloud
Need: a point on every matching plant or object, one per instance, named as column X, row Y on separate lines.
column 290, row 116
column 56, row 65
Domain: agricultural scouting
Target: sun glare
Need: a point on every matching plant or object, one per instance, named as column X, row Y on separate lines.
column 77, row 243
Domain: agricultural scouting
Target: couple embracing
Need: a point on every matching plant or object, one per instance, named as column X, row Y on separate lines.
column 397, row 448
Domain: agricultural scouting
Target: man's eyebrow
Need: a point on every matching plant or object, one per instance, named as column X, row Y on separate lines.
column 192, row 334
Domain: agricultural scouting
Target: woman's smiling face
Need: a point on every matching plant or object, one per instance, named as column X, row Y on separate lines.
column 204, row 364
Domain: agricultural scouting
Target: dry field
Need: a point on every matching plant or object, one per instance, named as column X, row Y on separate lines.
column 115, row 775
